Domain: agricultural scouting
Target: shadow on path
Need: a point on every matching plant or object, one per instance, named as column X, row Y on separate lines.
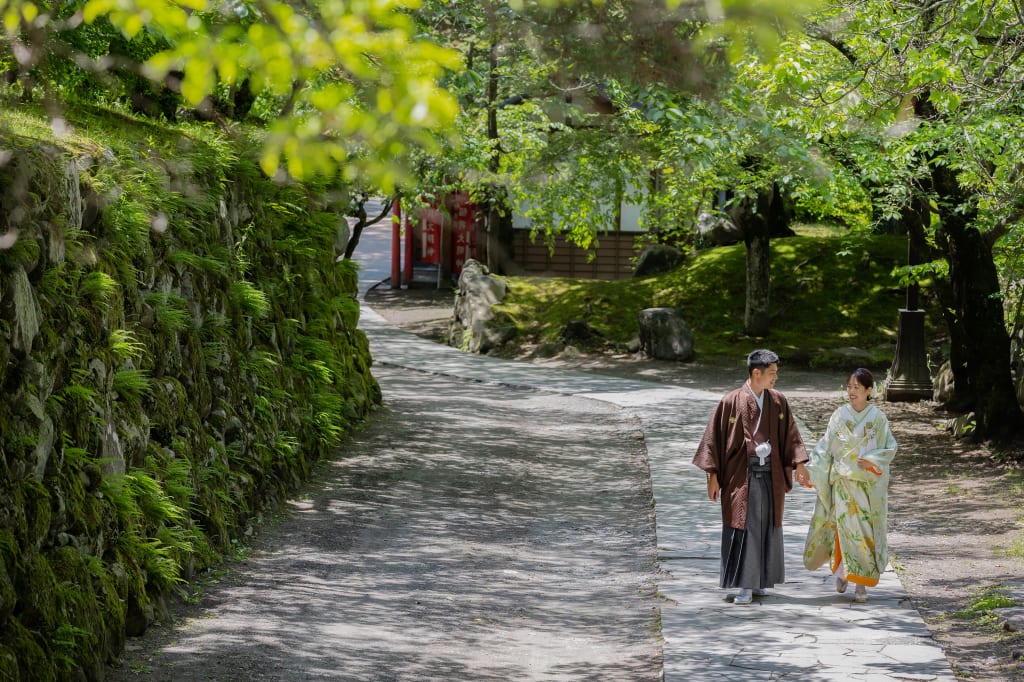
column 469, row 533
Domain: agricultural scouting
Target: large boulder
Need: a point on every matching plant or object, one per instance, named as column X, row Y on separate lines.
column 846, row 357
column 715, row 229
column 665, row 335
column 942, row 384
column 580, row 333
column 474, row 326
column 657, row 258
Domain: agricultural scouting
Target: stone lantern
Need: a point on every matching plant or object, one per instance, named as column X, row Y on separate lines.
column 909, row 379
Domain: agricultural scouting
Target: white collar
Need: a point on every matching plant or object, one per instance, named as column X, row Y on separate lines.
column 858, row 416
column 759, row 399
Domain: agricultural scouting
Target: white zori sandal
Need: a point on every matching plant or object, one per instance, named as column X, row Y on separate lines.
column 841, row 583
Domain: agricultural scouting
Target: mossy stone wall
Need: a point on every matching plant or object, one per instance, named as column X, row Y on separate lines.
column 179, row 346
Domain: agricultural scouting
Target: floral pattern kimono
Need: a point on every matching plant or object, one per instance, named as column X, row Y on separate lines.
column 851, row 511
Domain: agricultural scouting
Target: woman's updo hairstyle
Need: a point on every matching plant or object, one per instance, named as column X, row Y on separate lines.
column 865, row 378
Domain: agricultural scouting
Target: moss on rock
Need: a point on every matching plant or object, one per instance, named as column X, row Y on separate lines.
column 27, row 649
column 185, row 379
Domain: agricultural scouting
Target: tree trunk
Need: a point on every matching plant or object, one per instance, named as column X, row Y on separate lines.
column 492, row 219
column 979, row 343
column 756, row 321
column 750, row 215
column 759, row 219
column 361, row 222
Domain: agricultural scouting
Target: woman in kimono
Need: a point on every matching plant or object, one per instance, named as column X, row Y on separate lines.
column 849, row 470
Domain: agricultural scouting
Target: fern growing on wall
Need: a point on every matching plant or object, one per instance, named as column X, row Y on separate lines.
column 175, row 364
column 125, row 345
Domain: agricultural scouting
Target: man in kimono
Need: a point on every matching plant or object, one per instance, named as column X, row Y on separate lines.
column 750, row 453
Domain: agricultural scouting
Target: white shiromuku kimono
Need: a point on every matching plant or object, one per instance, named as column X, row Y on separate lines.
column 851, row 511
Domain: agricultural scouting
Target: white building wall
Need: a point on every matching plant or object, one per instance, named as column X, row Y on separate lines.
column 629, row 221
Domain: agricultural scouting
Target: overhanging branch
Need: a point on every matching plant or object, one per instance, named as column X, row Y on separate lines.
column 818, row 31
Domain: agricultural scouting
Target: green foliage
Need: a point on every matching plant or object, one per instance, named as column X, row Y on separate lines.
column 204, row 264
column 138, row 310
column 139, row 316
column 125, row 345
column 250, row 300
column 23, row 251
column 70, row 642
column 132, row 384
column 867, row 116
column 98, row 286
column 329, row 415
column 77, row 391
column 676, row 116
column 162, row 569
column 141, row 500
column 923, row 273
column 260, row 364
column 171, row 312
column 828, row 292
column 340, row 87
column 177, row 475
column 984, row 602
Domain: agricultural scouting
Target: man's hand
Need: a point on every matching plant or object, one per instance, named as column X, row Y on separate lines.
column 713, row 487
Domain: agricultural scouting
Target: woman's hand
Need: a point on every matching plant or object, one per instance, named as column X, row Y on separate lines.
column 868, row 465
column 801, row 476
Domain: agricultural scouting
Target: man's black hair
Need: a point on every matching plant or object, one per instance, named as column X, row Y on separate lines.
column 761, row 359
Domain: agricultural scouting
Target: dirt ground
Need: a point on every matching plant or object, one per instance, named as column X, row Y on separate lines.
column 955, row 515
column 956, row 508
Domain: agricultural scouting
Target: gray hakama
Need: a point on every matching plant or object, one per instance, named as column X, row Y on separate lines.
column 753, row 558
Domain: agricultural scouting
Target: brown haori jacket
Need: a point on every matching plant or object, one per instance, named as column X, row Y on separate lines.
column 728, row 445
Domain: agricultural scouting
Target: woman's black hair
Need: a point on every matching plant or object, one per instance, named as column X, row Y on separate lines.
column 863, row 376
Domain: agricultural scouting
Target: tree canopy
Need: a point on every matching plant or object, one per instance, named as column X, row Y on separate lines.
column 339, row 86
column 883, row 115
column 877, row 115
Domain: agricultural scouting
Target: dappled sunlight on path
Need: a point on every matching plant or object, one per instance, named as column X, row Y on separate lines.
column 803, row 628
column 469, row 533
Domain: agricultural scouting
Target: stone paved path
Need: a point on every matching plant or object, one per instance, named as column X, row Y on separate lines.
column 803, row 630
column 470, row 533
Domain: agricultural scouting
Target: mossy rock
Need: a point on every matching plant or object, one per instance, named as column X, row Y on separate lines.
column 112, row 605
column 171, row 293
column 8, row 595
column 9, row 664
column 76, row 641
column 36, row 586
column 33, row 664
column 33, row 500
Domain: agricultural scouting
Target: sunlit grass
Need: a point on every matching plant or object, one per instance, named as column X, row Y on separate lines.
column 830, row 289
column 980, row 608
column 1016, row 548
column 954, row 484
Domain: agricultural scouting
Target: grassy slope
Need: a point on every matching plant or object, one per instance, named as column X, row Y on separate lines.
column 828, row 291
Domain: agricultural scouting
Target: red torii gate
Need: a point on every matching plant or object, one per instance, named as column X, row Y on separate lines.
column 397, row 223
column 448, row 238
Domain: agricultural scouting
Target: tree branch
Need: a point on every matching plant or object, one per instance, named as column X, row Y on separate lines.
column 818, row 31
column 1001, row 228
